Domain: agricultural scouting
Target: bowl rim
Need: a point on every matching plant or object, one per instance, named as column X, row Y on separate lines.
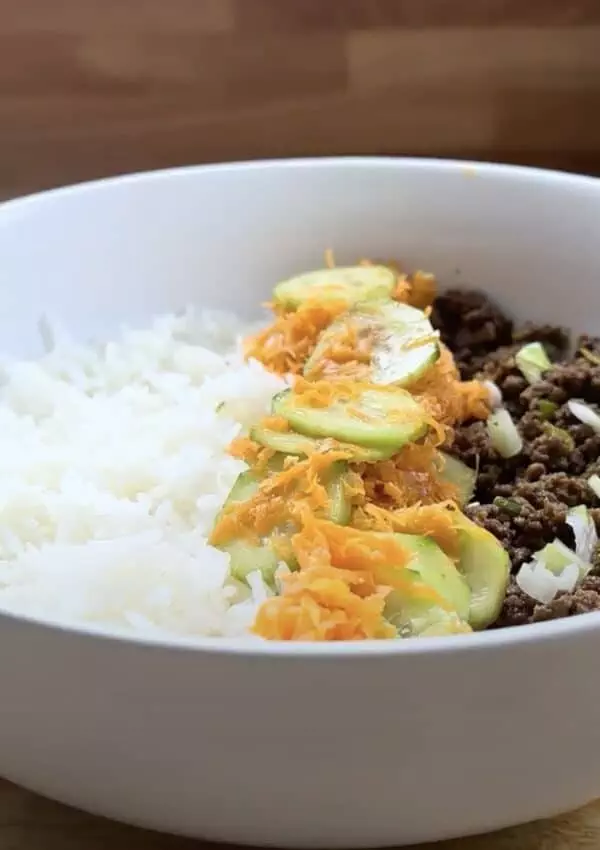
column 573, row 627
column 469, row 168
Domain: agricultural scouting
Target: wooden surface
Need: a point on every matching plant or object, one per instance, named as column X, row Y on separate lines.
column 28, row 822
column 93, row 87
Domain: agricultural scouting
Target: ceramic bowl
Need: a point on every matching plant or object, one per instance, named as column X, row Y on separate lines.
column 354, row 745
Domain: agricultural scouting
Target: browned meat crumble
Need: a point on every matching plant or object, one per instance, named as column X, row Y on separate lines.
column 523, row 501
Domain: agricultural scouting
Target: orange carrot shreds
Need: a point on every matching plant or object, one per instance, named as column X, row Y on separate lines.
column 411, row 477
column 448, row 399
column 337, row 594
column 321, row 606
column 275, row 423
column 278, row 499
column 243, row 448
column 402, row 289
column 285, row 345
column 329, row 258
column 347, row 354
column 323, row 393
column 435, row 521
column 423, row 289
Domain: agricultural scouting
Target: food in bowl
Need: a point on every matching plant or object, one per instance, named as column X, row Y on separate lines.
column 377, row 462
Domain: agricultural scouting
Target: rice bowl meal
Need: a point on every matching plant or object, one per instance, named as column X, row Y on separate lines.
column 375, row 461
column 327, row 535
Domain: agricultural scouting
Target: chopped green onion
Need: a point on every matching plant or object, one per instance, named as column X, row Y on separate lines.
column 556, row 556
column 559, row 434
column 533, row 361
column 509, row 506
column 503, row 433
column 494, row 394
column 589, row 355
column 594, row 482
column 541, row 583
column 547, row 408
column 584, row 529
column 556, row 567
column 585, row 414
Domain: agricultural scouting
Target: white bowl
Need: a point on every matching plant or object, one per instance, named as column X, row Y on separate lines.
column 334, row 746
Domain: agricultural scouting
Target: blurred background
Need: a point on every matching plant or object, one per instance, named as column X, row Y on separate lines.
column 96, row 87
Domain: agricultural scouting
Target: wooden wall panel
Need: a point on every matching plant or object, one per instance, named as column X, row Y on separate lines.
column 94, row 87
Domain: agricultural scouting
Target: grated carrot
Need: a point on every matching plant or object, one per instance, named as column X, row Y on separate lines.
column 285, row 345
column 275, row 423
column 346, row 355
column 411, row 477
column 339, row 592
column 435, row 521
column 448, row 399
column 278, row 499
column 422, row 289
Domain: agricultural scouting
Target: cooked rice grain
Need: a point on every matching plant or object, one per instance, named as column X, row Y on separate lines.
column 113, row 465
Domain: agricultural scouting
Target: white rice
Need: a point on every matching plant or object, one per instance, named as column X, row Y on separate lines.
column 113, row 466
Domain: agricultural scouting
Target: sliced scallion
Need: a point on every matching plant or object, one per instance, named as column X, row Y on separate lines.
column 494, row 394
column 547, row 408
column 504, row 436
column 532, row 361
column 584, row 529
column 585, row 414
column 594, row 483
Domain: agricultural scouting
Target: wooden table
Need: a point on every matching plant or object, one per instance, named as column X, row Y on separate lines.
column 94, row 87
column 29, row 822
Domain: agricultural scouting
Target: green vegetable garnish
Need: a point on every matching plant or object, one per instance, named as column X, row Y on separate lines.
column 589, row 355
column 533, row 361
column 509, row 506
column 547, row 408
column 559, row 434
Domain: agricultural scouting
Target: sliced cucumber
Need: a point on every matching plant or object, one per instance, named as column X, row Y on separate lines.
column 291, row 443
column 464, row 478
column 485, row 565
column 348, row 284
column 246, row 556
column 394, row 331
column 340, row 506
column 414, row 614
column 245, row 486
column 375, row 418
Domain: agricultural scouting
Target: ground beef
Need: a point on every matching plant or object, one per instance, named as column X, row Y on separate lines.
column 520, row 609
column 523, row 501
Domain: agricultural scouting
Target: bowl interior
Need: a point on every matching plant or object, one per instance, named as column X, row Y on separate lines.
column 121, row 250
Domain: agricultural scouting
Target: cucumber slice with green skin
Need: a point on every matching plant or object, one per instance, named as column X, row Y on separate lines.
column 486, row 567
column 394, row 331
column 460, row 475
column 375, row 418
column 300, row 445
column 245, row 556
column 245, row 486
column 349, row 284
column 412, row 615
